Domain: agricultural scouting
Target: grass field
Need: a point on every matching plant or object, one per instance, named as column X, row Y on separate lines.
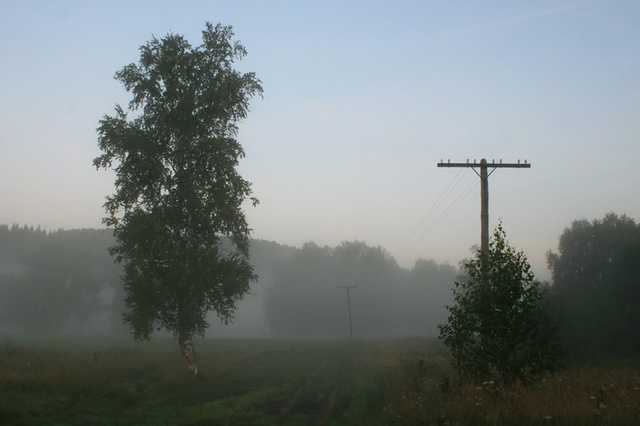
column 113, row 381
column 246, row 382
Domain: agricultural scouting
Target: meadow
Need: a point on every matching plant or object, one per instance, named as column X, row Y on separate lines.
column 114, row 381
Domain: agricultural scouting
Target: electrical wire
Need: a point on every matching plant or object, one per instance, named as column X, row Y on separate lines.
column 425, row 225
column 448, row 210
column 445, row 193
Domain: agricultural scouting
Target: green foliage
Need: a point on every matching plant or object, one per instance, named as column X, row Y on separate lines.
column 579, row 395
column 71, row 284
column 500, row 329
column 177, row 189
column 596, row 286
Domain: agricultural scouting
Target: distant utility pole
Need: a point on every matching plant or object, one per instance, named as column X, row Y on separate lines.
column 484, row 196
column 348, row 288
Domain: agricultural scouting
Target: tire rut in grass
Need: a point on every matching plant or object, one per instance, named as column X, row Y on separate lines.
column 323, row 411
column 297, row 399
column 333, row 404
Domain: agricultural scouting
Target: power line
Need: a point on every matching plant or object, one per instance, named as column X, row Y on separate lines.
column 448, row 210
column 424, row 220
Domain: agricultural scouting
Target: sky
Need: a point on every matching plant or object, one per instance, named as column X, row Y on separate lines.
column 362, row 99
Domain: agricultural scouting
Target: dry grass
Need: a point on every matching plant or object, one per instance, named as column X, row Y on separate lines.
column 420, row 391
column 116, row 381
column 409, row 381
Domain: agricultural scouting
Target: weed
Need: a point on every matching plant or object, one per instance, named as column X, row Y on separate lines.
column 251, row 382
column 580, row 395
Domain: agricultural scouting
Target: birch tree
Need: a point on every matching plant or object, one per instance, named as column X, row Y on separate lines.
column 178, row 196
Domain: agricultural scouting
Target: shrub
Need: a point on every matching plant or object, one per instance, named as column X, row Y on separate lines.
column 500, row 328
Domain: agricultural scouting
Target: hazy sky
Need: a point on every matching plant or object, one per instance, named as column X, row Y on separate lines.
column 362, row 99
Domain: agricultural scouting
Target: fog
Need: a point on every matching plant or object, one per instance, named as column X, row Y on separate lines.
column 360, row 103
column 335, row 119
column 65, row 282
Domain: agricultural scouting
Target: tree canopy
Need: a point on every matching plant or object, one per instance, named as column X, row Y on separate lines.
column 500, row 328
column 596, row 286
column 177, row 190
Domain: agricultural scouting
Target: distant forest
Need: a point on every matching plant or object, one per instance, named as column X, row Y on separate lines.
column 66, row 282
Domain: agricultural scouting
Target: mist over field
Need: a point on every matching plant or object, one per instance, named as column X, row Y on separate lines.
column 251, row 190
column 287, row 357
column 65, row 282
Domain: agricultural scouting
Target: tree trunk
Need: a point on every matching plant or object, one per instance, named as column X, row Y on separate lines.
column 189, row 352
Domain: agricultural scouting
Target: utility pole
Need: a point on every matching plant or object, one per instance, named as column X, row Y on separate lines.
column 348, row 288
column 484, row 199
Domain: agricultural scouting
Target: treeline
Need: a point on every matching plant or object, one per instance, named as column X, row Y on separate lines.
column 309, row 295
column 61, row 281
column 65, row 281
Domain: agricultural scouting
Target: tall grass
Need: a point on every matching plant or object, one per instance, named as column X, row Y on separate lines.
column 402, row 382
column 116, row 381
column 421, row 390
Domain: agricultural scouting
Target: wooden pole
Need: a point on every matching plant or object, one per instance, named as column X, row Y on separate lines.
column 484, row 219
column 484, row 201
column 348, row 288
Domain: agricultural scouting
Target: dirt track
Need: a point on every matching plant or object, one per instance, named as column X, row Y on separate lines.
column 330, row 374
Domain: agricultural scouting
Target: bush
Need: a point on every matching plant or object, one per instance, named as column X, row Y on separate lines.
column 500, row 329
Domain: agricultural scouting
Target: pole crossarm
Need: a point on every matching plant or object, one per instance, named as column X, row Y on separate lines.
column 492, row 165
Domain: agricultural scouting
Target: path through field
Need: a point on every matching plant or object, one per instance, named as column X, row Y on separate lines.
column 327, row 405
column 97, row 381
column 245, row 383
